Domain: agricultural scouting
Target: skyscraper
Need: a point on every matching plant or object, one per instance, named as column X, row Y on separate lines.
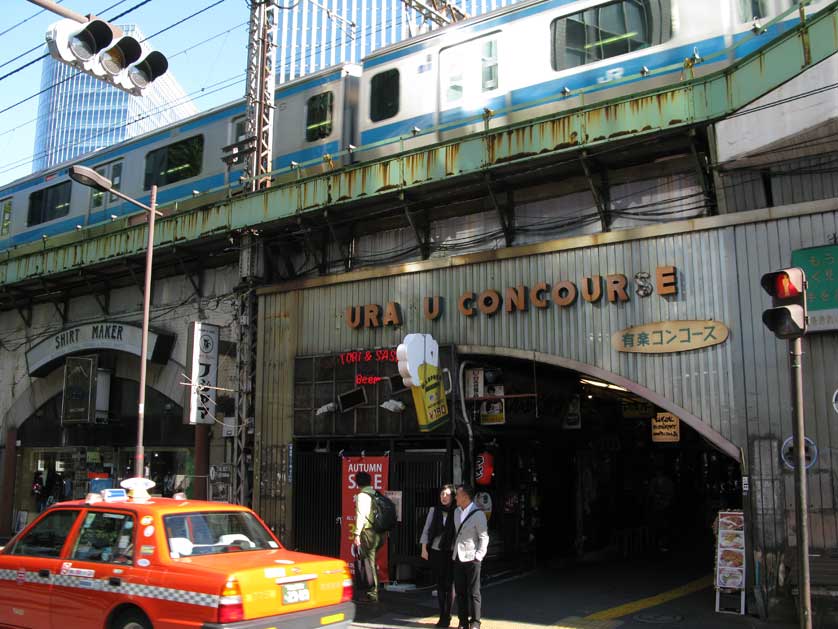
column 316, row 34
column 79, row 113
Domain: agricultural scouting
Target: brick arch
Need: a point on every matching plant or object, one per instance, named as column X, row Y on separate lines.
column 165, row 379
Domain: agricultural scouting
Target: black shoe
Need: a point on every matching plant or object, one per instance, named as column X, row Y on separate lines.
column 475, row 625
column 443, row 622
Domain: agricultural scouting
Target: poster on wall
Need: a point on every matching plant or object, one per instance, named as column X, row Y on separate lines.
column 493, row 412
column 666, row 428
column 378, row 467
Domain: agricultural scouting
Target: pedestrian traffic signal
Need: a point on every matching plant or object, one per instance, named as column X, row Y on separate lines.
column 788, row 317
column 104, row 51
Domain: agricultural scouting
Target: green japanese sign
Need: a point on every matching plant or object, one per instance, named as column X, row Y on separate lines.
column 821, row 267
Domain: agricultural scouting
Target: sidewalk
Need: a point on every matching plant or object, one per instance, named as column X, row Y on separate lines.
column 585, row 599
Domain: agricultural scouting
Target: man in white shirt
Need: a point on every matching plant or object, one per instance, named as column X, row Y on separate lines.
column 470, row 545
column 367, row 540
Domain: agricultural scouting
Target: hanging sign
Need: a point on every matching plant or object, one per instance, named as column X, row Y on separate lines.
column 378, row 467
column 419, row 367
column 665, row 337
column 666, row 428
column 78, row 404
column 202, row 357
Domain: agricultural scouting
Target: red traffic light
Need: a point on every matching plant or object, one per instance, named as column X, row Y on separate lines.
column 786, row 284
column 784, row 287
column 787, row 287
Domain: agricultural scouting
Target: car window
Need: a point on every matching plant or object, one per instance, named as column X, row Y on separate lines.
column 107, row 537
column 47, row 537
column 210, row 533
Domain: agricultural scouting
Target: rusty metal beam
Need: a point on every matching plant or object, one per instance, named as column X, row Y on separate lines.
column 573, row 127
column 600, row 192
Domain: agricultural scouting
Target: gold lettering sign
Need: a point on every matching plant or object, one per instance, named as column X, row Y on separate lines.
column 665, row 337
column 666, row 428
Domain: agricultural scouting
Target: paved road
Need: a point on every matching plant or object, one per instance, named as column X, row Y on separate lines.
column 625, row 596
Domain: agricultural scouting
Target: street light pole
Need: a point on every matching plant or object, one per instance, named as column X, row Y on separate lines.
column 89, row 177
column 139, row 456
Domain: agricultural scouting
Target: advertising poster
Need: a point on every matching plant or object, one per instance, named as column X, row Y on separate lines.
column 419, row 365
column 378, row 468
column 493, row 412
column 666, row 428
column 730, row 556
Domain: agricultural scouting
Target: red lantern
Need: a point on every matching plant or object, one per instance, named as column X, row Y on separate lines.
column 484, row 468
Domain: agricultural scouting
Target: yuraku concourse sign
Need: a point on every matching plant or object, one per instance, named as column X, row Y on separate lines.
column 821, row 267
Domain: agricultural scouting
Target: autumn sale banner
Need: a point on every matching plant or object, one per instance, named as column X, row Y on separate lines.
column 378, row 468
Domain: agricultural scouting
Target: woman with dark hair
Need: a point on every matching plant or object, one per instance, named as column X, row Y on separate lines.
column 437, row 545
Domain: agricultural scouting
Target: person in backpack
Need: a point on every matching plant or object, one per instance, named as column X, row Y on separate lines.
column 367, row 539
column 471, row 542
column 437, row 545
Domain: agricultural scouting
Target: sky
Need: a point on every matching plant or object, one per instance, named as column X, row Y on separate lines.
column 206, row 70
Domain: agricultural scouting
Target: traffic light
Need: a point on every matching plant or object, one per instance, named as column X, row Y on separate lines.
column 787, row 287
column 104, row 51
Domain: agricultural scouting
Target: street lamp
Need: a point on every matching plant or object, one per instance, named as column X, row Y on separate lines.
column 90, row 178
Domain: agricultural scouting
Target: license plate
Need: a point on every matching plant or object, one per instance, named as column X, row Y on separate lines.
column 295, row 593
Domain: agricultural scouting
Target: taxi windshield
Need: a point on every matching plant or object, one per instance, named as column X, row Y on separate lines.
column 214, row 532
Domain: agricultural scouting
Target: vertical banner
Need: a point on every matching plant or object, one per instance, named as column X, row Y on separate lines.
column 378, row 468
column 202, row 367
column 78, row 404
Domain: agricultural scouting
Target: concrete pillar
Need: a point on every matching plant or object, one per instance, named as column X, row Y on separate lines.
column 7, row 488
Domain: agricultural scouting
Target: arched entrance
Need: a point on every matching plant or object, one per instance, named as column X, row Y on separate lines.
column 583, row 476
column 70, row 460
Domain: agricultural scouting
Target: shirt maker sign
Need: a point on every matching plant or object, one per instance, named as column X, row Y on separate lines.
column 91, row 336
column 615, row 288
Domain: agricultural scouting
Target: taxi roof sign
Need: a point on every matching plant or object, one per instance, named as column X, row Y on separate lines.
column 114, row 495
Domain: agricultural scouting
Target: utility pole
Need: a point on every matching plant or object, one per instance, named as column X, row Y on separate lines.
column 261, row 84
column 439, row 12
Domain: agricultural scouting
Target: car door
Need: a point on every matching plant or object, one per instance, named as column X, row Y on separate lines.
column 97, row 569
column 29, row 565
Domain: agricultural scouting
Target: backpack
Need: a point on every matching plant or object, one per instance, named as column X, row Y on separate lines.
column 383, row 515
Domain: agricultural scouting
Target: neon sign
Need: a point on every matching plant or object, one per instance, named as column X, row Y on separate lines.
column 368, row 356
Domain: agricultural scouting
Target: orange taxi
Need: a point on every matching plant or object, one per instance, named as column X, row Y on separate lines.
column 120, row 563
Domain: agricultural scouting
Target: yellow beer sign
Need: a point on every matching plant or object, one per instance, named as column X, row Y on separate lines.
column 418, row 358
column 664, row 337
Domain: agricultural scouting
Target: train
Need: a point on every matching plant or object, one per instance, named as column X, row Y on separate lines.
column 529, row 59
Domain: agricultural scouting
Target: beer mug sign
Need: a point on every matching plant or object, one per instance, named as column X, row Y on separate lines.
column 418, row 358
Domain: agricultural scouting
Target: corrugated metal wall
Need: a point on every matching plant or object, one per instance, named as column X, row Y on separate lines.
column 739, row 388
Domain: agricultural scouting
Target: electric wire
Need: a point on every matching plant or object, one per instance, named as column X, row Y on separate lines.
column 25, row 20
column 177, row 54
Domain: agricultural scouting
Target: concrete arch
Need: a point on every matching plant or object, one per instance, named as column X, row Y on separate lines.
column 693, row 421
column 164, row 379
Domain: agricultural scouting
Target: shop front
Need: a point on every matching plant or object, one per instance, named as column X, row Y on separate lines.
column 74, row 429
column 609, row 399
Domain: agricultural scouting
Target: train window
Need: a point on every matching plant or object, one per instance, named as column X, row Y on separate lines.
column 239, row 129
column 175, row 162
column 319, row 117
column 6, row 218
column 116, row 178
column 756, row 9
column 112, row 171
column 49, row 203
column 384, row 95
column 600, row 33
column 489, row 61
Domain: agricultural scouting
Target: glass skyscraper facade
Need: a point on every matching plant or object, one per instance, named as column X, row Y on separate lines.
column 78, row 113
column 314, row 35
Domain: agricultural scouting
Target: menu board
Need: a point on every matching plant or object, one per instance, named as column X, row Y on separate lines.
column 730, row 551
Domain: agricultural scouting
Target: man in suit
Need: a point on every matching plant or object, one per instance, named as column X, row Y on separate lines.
column 470, row 545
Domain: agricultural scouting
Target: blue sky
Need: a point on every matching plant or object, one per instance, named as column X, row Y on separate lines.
column 195, row 65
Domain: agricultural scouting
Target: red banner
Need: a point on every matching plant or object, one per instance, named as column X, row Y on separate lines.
column 378, row 468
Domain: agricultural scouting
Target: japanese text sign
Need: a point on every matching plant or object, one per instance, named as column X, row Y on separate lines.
column 821, row 267
column 202, row 354
column 666, row 428
column 664, row 337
